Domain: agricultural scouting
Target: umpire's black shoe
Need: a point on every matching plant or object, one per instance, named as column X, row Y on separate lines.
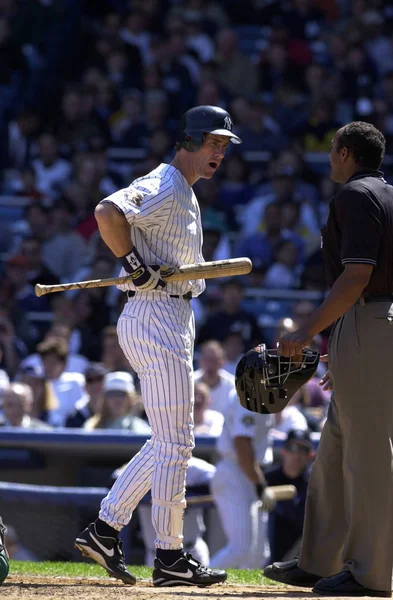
column 106, row 551
column 186, row 571
column 344, row 584
column 288, row 572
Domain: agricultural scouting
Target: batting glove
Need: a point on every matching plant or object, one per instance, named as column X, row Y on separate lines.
column 144, row 277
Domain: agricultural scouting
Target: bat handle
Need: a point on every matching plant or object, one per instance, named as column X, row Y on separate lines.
column 40, row 290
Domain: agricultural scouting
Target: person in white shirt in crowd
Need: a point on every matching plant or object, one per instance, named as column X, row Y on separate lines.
column 51, row 171
column 120, row 406
column 289, row 418
column 237, row 486
column 17, row 403
column 234, row 348
column 76, row 363
column 198, row 477
column 211, row 371
column 207, row 422
column 68, row 387
column 91, row 403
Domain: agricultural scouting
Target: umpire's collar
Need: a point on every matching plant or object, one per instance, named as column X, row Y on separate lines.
column 366, row 173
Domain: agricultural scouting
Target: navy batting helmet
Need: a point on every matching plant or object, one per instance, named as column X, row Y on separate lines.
column 266, row 381
column 200, row 120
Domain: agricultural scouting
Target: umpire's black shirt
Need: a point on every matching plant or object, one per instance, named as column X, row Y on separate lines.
column 359, row 229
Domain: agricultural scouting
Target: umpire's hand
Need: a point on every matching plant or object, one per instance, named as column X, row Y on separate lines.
column 292, row 344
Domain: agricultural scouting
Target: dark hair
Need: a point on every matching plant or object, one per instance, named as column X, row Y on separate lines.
column 366, row 143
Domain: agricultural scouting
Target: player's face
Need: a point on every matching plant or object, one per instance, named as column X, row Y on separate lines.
column 209, row 157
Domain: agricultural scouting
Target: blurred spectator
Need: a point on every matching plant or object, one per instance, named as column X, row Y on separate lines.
column 37, row 221
column 51, row 171
column 207, row 422
column 236, row 73
column 313, row 402
column 31, row 249
column 17, row 405
column 318, row 132
column 12, row 348
column 20, row 138
column 72, row 127
column 234, row 348
column 128, row 126
column 64, row 251
column 76, row 363
column 16, row 278
column 230, row 317
column 13, row 67
column 15, row 549
column 283, row 273
column 134, row 33
column 286, row 520
column 261, row 247
column 68, row 387
column 91, row 403
column 118, row 406
column 235, row 190
column 44, row 397
column 211, row 372
column 257, row 130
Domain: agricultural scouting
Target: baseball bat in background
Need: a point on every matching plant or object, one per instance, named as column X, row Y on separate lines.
column 206, row 270
column 279, row 492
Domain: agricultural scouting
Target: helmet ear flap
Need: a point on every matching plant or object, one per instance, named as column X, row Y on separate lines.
column 193, row 143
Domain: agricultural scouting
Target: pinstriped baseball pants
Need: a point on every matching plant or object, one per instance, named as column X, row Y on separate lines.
column 156, row 333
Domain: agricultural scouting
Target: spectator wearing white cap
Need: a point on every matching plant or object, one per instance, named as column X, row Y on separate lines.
column 119, row 406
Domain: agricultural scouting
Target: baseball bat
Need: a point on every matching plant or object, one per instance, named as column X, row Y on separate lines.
column 279, row 492
column 206, row 270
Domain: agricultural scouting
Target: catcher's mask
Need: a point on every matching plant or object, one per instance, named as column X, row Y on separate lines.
column 266, row 381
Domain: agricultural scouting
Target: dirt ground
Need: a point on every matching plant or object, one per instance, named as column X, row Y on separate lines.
column 18, row 587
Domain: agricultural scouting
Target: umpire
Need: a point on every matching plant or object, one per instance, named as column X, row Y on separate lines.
column 347, row 547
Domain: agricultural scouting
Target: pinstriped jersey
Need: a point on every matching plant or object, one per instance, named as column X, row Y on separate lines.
column 166, row 225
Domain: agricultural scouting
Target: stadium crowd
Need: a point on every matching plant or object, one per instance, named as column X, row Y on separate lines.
column 91, row 94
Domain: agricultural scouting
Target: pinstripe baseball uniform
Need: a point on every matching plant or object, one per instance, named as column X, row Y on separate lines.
column 156, row 333
column 245, row 526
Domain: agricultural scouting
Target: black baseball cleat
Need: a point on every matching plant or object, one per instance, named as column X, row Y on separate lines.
column 290, row 573
column 186, row 571
column 106, row 551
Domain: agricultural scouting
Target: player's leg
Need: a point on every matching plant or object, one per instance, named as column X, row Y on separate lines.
column 168, row 391
column 234, row 496
column 99, row 541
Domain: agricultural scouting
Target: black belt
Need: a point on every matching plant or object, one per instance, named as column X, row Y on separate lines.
column 377, row 298
column 188, row 296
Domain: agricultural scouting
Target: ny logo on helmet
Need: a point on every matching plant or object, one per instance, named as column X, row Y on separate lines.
column 228, row 123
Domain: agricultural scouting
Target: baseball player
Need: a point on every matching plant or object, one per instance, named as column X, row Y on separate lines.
column 157, row 221
column 237, row 484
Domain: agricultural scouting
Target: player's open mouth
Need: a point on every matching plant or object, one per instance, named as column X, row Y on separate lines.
column 213, row 164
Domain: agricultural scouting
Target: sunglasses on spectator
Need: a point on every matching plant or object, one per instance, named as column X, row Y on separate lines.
column 294, row 447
